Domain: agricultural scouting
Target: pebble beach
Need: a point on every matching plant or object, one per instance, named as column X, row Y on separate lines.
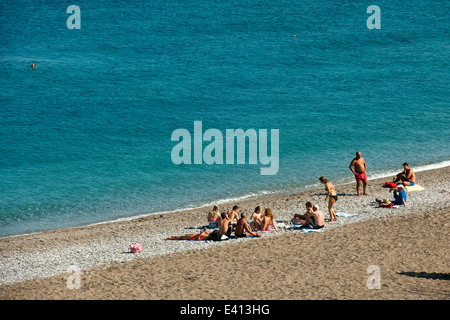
column 408, row 244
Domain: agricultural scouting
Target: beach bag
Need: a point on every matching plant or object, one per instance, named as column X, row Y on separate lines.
column 135, row 247
column 215, row 235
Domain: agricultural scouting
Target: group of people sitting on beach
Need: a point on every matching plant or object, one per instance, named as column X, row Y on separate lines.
column 230, row 221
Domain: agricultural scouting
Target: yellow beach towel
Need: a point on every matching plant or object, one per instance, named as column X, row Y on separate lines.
column 415, row 187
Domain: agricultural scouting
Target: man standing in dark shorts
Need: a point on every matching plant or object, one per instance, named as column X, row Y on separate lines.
column 358, row 166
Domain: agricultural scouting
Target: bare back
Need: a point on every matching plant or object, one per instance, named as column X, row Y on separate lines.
column 223, row 226
column 319, row 218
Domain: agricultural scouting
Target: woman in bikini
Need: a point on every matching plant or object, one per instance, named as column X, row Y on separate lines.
column 268, row 220
column 331, row 197
column 214, row 217
column 203, row 235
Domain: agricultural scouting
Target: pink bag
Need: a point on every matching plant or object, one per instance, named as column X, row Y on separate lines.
column 135, row 247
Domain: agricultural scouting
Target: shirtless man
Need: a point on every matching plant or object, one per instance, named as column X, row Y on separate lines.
column 243, row 229
column 358, row 166
column 316, row 218
column 224, row 225
column 407, row 176
column 233, row 215
column 303, row 218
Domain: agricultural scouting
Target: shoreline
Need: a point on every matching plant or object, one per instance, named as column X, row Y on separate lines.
column 42, row 257
column 377, row 176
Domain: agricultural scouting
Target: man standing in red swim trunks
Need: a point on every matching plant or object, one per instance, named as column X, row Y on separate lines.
column 360, row 167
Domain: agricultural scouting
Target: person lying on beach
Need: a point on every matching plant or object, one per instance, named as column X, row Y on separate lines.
column 225, row 225
column 233, row 215
column 203, row 235
column 268, row 220
column 214, row 217
column 360, row 167
column 303, row 218
column 399, row 195
column 407, row 176
column 243, row 229
column 331, row 196
column 256, row 218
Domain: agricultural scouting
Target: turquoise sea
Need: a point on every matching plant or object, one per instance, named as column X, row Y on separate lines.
column 86, row 137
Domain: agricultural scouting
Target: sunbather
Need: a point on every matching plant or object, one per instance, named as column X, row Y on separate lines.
column 225, row 225
column 233, row 214
column 268, row 220
column 407, row 176
column 316, row 219
column 399, row 195
column 203, row 235
column 214, row 217
column 243, row 229
column 302, row 219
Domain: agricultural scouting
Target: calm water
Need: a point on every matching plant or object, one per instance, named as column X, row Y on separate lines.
column 86, row 137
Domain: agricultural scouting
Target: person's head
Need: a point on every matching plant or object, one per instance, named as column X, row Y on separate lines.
column 216, row 208
column 315, row 207
column 243, row 215
column 406, row 166
column 258, row 209
column 308, row 205
column 224, row 215
column 400, row 187
column 323, row 179
column 358, row 154
column 236, row 208
column 268, row 213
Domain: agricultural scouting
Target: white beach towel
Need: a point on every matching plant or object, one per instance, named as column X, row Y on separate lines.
column 346, row 215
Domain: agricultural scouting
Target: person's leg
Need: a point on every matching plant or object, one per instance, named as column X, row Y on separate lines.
column 358, row 185
column 365, row 187
column 331, row 202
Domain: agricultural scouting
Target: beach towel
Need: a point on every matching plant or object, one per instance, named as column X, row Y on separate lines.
column 415, row 187
column 309, row 230
column 346, row 215
column 301, row 228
